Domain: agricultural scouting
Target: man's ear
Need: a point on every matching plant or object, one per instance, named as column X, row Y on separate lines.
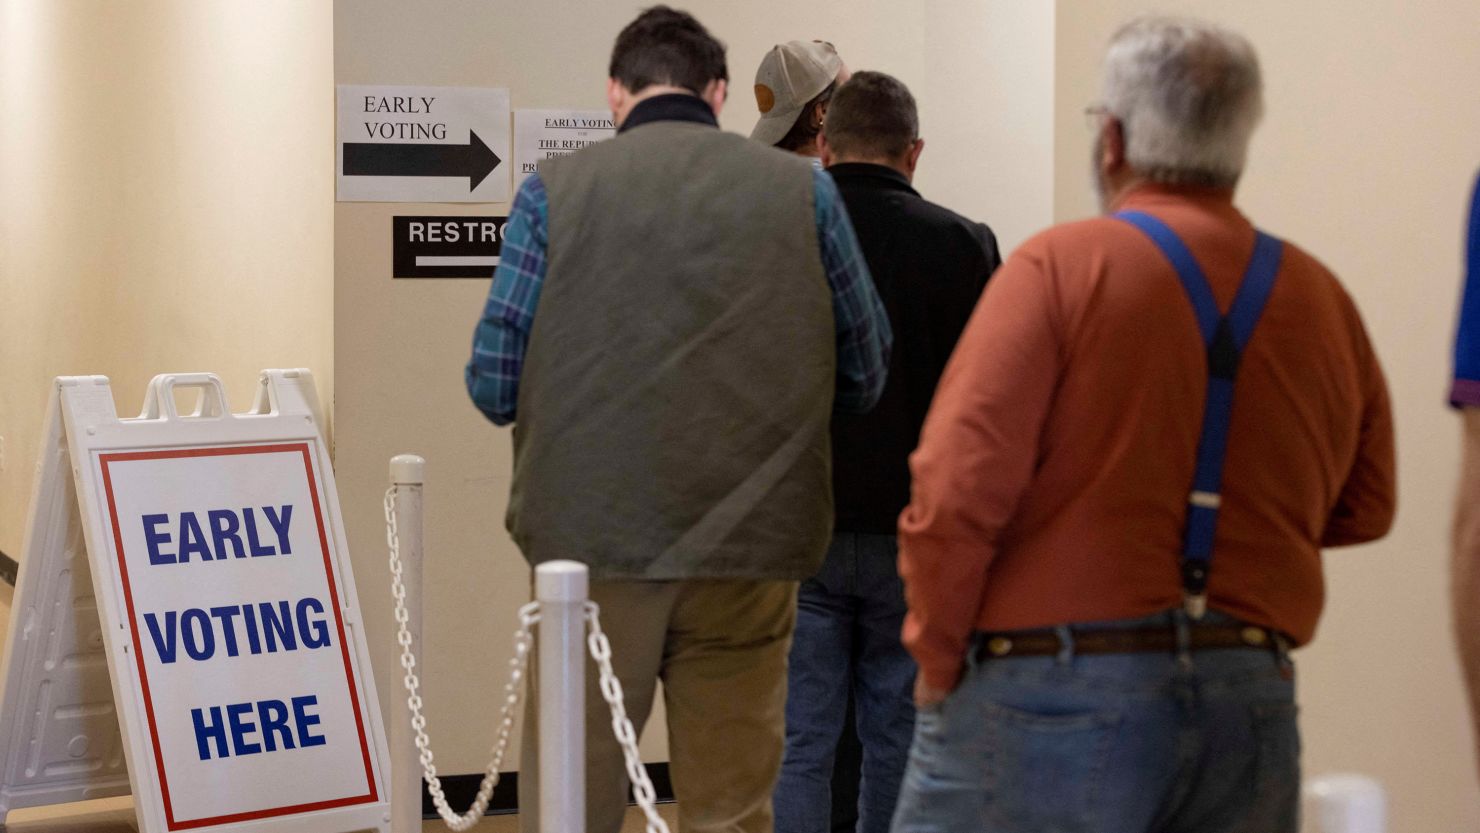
column 1112, row 145
column 715, row 94
column 824, row 150
column 912, row 158
column 616, row 95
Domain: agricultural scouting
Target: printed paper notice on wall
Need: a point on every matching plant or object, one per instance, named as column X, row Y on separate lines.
column 547, row 134
column 423, row 144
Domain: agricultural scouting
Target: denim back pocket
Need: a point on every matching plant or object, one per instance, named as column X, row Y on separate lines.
column 1275, row 804
column 1047, row 771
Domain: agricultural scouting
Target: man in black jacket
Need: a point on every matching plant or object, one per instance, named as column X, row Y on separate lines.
column 929, row 265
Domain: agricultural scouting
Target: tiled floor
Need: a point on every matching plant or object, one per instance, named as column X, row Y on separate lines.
column 116, row 815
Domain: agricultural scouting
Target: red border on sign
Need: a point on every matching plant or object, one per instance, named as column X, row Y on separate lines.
column 128, row 596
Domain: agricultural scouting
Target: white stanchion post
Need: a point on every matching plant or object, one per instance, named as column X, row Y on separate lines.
column 561, row 588
column 1345, row 803
column 407, row 475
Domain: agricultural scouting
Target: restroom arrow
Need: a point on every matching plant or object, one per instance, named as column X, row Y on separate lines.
column 473, row 160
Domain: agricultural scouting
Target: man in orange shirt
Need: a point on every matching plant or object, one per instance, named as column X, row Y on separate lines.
column 1151, row 426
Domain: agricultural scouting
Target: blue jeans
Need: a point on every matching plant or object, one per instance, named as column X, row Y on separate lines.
column 847, row 638
column 1110, row 743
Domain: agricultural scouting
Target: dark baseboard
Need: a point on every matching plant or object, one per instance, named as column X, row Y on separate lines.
column 9, row 569
column 460, row 790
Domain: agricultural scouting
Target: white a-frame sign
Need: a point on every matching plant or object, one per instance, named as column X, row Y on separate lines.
column 195, row 564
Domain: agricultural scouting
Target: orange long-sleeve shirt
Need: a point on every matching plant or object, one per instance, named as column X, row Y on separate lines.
column 1053, row 472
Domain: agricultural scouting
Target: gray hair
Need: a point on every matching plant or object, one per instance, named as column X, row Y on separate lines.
column 1188, row 95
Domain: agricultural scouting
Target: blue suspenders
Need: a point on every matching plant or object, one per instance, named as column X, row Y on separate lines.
column 1225, row 336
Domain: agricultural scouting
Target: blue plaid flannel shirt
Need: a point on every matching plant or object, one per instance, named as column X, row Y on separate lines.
column 492, row 375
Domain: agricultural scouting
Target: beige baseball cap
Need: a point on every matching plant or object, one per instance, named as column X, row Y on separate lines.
column 790, row 75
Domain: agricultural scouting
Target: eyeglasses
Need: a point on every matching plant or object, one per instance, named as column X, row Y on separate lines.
column 1095, row 115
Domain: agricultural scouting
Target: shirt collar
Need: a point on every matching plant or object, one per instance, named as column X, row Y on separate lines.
column 882, row 174
column 1152, row 194
column 670, row 107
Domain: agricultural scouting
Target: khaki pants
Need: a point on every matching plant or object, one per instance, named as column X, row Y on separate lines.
column 720, row 648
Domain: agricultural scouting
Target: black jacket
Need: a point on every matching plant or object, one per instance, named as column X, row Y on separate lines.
column 930, row 265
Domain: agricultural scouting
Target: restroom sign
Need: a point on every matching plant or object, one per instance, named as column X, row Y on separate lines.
column 446, row 247
column 237, row 632
column 423, row 144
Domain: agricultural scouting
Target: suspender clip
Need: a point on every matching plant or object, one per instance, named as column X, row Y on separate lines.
column 1195, row 588
column 1196, row 605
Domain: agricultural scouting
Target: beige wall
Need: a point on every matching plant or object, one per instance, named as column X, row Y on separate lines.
column 1365, row 158
column 165, row 191
column 401, row 345
column 165, row 202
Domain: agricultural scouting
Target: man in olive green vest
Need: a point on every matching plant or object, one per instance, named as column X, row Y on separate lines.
column 675, row 315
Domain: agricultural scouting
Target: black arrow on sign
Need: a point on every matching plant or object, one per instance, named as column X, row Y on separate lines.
column 473, row 160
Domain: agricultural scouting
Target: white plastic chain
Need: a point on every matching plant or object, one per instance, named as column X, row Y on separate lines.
column 611, row 689
column 529, row 616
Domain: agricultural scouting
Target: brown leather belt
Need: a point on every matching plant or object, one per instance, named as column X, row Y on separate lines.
column 1039, row 643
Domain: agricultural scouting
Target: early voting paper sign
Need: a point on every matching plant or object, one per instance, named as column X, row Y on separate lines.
column 244, row 667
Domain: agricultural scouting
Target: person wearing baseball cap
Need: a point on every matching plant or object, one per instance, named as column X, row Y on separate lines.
column 795, row 81
column 793, row 86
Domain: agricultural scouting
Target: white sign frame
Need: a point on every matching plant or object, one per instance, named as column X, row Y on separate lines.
column 285, row 414
column 54, row 664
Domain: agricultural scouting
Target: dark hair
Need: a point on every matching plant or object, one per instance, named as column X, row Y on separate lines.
column 802, row 133
column 667, row 46
column 872, row 116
